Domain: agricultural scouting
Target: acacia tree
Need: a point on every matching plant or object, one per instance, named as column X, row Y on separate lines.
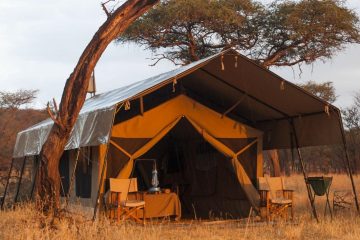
column 14, row 100
column 283, row 33
column 48, row 181
column 325, row 91
column 351, row 116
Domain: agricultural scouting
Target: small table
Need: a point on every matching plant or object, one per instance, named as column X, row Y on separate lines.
column 160, row 205
column 320, row 187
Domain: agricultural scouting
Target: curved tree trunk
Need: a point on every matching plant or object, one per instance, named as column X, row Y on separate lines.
column 74, row 94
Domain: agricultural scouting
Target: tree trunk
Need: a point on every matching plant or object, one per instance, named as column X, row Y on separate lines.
column 73, row 98
column 274, row 156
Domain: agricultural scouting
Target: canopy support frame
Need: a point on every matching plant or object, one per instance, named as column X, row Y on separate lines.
column 233, row 106
column 347, row 164
column 20, row 180
column 216, row 107
column 38, row 163
column 244, row 92
column 304, row 171
column 7, row 183
column 101, row 180
column 72, row 178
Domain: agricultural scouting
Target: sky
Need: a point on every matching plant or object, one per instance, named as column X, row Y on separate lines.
column 41, row 41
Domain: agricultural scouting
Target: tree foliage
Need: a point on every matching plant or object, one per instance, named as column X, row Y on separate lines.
column 283, row 33
column 325, row 91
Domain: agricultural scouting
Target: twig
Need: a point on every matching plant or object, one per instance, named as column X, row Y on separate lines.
column 51, row 114
column 103, row 5
column 55, row 106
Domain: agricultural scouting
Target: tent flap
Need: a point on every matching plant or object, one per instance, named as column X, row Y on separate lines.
column 242, row 176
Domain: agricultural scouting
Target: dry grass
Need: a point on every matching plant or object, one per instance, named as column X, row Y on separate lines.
column 26, row 223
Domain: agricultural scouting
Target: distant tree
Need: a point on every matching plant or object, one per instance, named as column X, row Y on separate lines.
column 283, row 33
column 351, row 117
column 351, row 114
column 14, row 100
column 325, row 91
column 14, row 118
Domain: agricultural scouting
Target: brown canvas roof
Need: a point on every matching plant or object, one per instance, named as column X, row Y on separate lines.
column 265, row 101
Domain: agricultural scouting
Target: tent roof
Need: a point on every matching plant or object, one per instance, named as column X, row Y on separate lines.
column 227, row 82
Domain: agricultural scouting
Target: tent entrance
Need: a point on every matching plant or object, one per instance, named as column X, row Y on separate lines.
column 204, row 178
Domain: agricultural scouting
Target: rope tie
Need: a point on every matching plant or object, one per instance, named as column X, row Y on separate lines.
column 282, row 86
column 127, row 105
column 174, row 85
column 222, row 63
column 327, row 110
column 236, row 61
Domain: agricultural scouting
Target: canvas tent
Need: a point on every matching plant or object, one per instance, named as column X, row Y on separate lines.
column 225, row 104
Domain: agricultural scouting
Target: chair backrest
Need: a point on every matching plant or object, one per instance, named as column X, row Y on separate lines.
column 272, row 184
column 123, row 186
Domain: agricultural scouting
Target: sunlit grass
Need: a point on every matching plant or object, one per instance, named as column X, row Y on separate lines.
column 24, row 222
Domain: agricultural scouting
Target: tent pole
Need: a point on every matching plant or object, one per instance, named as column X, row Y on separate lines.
column 35, row 177
column 141, row 106
column 304, row 171
column 20, row 179
column 348, row 165
column 292, row 153
column 7, row 183
column 72, row 179
column 101, row 182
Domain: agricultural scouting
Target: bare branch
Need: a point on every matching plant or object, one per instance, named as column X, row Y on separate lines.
column 51, row 114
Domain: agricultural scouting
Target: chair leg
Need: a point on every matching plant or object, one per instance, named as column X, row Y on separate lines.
column 144, row 216
column 118, row 208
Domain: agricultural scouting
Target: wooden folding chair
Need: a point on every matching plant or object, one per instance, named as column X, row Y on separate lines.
column 120, row 205
column 275, row 198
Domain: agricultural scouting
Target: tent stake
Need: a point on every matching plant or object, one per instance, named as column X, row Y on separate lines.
column 101, row 182
column 20, row 179
column 304, row 172
column 7, row 183
column 37, row 160
column 348, row 165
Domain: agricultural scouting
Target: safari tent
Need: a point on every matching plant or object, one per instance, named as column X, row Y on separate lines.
column 206, row 124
